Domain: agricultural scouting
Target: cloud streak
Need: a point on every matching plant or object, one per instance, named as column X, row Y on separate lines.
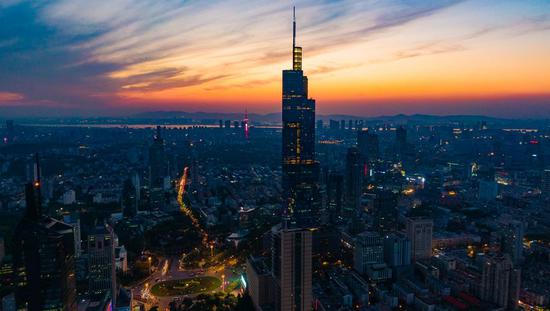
column 88, row 54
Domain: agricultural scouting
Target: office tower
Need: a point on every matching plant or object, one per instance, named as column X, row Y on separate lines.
column 292, row 253
column 129, row 201
column 342, row 124
column 368, row 145
column 236, row 124
column 227, row 124
column 292, row 242
column 397, row 250
column 353, row 182
column 221, row 124
column 300, row 170
column 385, row 212
column 419, row 232
column 401, row 140
column 350, row 125
column 335, row 196
column 43, row 257
column 157, row 171
column 512, row 240
column 74, row 220
column 157, row 161
column 260, row 283
column 500, row 282
column 369, row 250
column 101, row 263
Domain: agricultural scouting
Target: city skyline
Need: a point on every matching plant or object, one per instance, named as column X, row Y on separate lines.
column 367, row 58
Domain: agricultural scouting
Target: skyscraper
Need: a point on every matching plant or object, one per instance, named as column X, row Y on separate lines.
column 300, row 170
column 369, row 250
column 385, row 212
column 157, row 161
column 43, row 262
column 401, row 140
column 157, row 171
column 512, row 240
column 500, row 282
column 335, row 196
column 129, row 200
column 101, row 262
column 397, row 250
column 292, row 242
column 368, row 144
column 353, row 182
column 292, row 253
column 419, row 232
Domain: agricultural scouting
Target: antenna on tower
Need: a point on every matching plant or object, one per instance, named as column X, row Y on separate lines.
column 293, row 28
column 296, row 50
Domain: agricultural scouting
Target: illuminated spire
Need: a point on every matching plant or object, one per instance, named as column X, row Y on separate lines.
column 296, row 50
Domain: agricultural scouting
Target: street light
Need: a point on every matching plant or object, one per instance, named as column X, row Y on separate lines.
column 223, row 282
column 211, row 250
column 149, row 261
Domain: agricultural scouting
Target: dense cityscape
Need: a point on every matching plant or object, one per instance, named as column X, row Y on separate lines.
column 292, row 211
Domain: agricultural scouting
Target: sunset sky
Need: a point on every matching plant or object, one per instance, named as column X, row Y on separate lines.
column 82, row 57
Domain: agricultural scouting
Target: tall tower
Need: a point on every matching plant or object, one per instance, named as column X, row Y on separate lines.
column 157, row 171
column 300, row 170
column 43, row 257
column 292, row 242
column 353, row 182
column 101, row 262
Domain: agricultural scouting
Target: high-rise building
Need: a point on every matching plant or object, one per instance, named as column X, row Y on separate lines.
column 292, row 254
column 292, row 242
column 353, row 182
column 157, row 161
column 335, row 196
column 385, row 212
column 101, row 263
column 129, row 200
column 43, row 261
column 369, row 250
column 419, row 232
column 401, row 140
column 260, row 283
column 512, row 240
column 368, row 144
column 300, row 170
column 397, row 250
column 500, row 282
column 157, row 171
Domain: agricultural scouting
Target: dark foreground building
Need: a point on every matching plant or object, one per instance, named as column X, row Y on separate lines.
column 43, row 258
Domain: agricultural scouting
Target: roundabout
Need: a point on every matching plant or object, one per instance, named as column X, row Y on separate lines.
column 188, row 286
